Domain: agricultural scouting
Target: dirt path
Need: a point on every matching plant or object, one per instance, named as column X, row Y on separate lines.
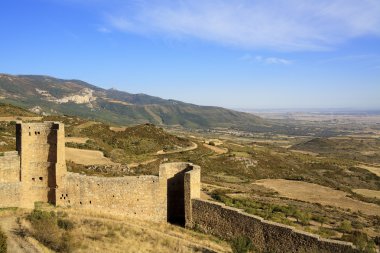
column 192, row 147
column 318, row 194
column 217, row 150
column 87, row 157
column 18, row 244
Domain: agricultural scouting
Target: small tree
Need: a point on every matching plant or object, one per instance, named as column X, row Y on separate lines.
column 3, row 242
column 346, row 226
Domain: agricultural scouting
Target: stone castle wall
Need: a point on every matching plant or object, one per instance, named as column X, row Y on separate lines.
column 230, row 223
column 175, row 174
column 10, row 167
column 142, row 197
column 192, row 190
column 10, row 194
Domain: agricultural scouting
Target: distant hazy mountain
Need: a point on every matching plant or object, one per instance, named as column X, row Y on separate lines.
column 48, row 95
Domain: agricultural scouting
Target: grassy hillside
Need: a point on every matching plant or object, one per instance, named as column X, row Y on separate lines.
column 7, row 110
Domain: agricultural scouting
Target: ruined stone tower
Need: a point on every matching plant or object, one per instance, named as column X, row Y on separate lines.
column 40, row 147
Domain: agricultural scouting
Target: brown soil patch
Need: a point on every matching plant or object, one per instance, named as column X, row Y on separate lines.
column 80, row 140
column 318, row 194
column 374, row 170
column 118, row 129
column 87, row 157
column 216, row 149
column 368, row 193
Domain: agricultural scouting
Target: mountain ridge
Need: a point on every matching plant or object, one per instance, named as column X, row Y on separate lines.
column 75, row 97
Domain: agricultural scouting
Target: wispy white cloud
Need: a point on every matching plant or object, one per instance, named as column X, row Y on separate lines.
column 287, row 25
column 265, row 60
column 103, row 29
column 357, row 57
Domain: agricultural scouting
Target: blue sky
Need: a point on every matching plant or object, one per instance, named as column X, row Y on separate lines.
column 237, row 54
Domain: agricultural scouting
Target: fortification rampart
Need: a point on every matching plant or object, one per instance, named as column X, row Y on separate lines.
column 10, row 194
column 230, row 223
column 142, row 197
column 10, row 167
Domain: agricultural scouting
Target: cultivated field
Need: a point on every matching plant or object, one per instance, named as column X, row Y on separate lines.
column 373, row 169
column 87, row 157
column 318, row 194
column 368, row 193
column 217, row 150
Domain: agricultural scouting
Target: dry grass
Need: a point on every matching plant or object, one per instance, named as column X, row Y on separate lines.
column 106, row 233
column 95, row 231
column 87, row 157
column 318, row 194
column 368, row 193
column 374, row 170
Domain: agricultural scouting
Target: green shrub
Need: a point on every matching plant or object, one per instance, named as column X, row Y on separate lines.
column 241, row 244
column 50, row 230
column 65, row 224
column 319, row 218
column 361, row 241
column 3, row 242
column 345, row 226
